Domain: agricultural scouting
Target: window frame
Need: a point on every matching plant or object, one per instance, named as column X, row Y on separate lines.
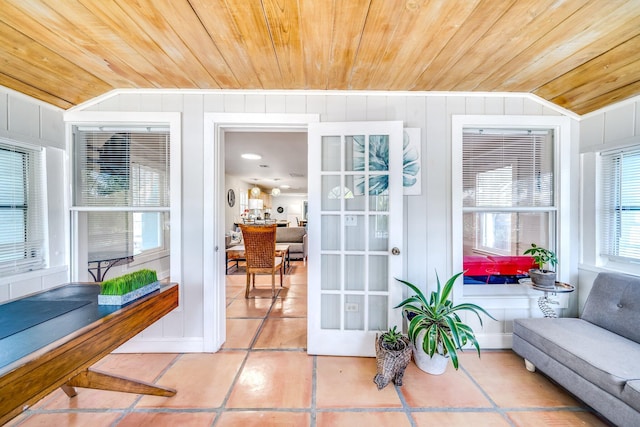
column 562, row 151
column 606, row 258
column 124, row 119
column 35, row 206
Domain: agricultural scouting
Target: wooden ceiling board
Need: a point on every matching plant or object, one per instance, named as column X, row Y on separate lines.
column 316, row 26
column 376, row 50
column 468, row 33
column 579, row 54
column 67, row 41
column 155, row 23
column 32, row 91
column 34, row 64
column 85, row 29
column 437, row 22
column 606, row 99
column 607, row 83
column 346, row 32
column 595, row 72
column 497, row 45
column 569, row 45
column 181, row 17
column 99, row 37
column 250, row 22
column 283, row 18
column 219, row 25
column 126, row 34
column 548, row 30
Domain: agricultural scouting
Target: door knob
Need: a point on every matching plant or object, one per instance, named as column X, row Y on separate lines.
column 395, row 251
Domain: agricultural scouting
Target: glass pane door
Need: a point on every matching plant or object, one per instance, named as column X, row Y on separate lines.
column 355, row 205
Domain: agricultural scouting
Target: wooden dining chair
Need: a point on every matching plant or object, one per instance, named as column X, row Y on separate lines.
column 260, row 254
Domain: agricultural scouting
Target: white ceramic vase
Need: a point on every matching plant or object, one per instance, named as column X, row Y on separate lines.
column 435, row 365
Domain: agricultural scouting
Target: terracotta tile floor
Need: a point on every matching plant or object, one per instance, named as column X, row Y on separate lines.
column 263, row 377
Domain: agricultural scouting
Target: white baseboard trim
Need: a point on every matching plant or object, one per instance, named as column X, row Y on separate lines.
column 162, row 345
column 494, row 341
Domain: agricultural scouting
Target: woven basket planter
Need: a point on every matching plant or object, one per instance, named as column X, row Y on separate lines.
column 391, row 363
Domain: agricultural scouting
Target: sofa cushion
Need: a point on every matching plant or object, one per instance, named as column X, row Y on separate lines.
column 290, row 234
column 598, row 355
column 614, row 304
column 631, row 394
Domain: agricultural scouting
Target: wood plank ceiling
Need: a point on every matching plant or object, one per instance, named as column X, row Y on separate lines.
column 578, row 54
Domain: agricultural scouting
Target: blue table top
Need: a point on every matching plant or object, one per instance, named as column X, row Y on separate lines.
column 18, row 345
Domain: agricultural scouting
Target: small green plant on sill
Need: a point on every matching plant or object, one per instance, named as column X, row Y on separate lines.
column 542, row 256
column 128, row 283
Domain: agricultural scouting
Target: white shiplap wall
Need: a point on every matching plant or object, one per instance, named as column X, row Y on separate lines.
column 29, row 121
column 607, row 129
column 427, row 228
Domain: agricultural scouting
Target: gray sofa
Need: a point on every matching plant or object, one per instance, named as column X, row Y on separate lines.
column 595, row 357
column 296, row 238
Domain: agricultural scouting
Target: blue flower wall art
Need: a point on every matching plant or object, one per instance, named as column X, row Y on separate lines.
column 379, row 161
column 411, row 159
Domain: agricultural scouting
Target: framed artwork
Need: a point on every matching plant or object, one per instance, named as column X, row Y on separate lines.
column 411, row 162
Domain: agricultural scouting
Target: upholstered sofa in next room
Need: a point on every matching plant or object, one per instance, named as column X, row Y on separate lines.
column 296, row 238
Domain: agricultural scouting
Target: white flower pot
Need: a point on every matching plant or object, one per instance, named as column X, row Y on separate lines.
column 435, row 365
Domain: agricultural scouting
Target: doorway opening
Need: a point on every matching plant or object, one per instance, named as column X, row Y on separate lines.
column 265, row 175
column 216, row 201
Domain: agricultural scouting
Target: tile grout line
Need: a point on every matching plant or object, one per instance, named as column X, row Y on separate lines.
column 405, row 406
column 132, row 408
column 498, row 409
column 314, row 388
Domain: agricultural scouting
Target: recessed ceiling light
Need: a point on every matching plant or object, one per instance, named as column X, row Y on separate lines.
column 285, row 186
column 251, row 156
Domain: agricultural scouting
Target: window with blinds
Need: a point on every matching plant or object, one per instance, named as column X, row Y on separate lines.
column 508, row 201
column 22, row 209
column 121, row 178
column 620, row 202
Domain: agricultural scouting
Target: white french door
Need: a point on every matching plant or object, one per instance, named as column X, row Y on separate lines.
column 355, row 232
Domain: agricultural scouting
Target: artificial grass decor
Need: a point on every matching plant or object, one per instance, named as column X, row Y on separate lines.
column 128, row 283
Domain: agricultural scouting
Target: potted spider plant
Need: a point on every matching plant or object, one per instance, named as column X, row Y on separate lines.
column 542, row 257
column 435, row 328
column 393, row 354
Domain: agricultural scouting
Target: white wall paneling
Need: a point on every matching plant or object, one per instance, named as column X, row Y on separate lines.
column 24, row 119
column 611, row 128
column 428, row 227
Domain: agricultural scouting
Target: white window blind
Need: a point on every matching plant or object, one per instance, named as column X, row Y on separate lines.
column 620, row 202
column 508, row 191
column 122, row 180
column 116, row 168
column 507, row 168
column 22, row 209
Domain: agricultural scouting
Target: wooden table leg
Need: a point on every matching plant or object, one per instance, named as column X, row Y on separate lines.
column 102, row 381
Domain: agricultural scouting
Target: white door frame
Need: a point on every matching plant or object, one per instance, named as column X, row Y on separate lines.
column 214, row 299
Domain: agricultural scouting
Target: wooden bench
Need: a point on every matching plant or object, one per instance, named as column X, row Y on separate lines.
column 59, row 351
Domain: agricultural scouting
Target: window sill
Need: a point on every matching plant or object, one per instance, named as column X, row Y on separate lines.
column 616, row 267
column 513, row 290
column 33, row 274
column 146, row 257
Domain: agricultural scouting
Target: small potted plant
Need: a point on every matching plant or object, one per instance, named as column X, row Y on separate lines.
column 435, row 328
column 393, row 354
column 124, row 289
column 541, row 257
